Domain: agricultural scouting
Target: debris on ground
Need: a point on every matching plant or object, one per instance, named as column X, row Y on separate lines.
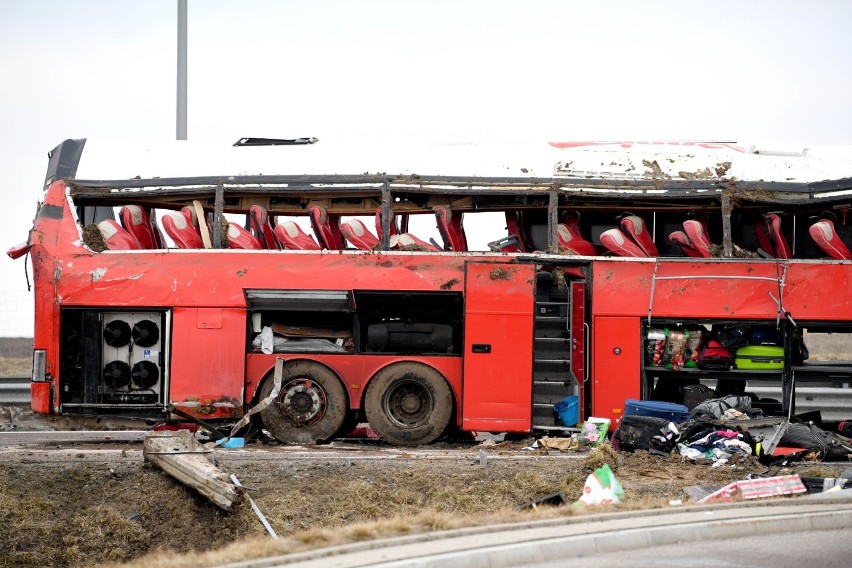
column 761, row 488
column 601, row 488
column 180, row 455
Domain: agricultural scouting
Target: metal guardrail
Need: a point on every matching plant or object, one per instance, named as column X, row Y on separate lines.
column 834, row 403
column 15, row 391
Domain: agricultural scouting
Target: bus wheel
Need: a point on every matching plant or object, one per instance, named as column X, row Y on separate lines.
column 408, row 404
column 310, row 407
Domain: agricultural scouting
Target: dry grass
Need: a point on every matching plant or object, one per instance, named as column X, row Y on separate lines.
column 82, row 514
column 16, row 366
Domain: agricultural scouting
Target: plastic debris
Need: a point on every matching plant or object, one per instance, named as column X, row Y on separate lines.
column 601, row 488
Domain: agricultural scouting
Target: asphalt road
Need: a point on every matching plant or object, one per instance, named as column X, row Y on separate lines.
column 780, row 533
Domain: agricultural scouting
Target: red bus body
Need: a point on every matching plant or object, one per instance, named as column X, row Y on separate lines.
column 207, row 304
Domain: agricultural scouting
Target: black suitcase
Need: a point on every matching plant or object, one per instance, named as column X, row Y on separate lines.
column 693, row 395
column 637, row 433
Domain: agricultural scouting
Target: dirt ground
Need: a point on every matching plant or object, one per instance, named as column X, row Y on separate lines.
column 92, row 504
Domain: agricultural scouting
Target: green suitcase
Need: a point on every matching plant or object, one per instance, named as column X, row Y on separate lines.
column 760, row 357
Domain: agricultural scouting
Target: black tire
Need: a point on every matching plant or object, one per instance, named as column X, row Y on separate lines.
column 408, row 404
column 311, row 406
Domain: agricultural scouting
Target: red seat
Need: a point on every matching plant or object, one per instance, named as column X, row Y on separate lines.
column 357, row 234
column 634, row 227
column 762, row 233
column 679, row 238
column 617, row 242
column 116, row 237
column 824, row 234
column 190, row 216
column 776, row 236
column 451, row 229
column 261, row 226
column 293, row 237
column 514, row 226
column 408, row 240
column 394, row 230
column 137, row 221
column 179, row 228
column 696, row 232
column 570, row 241
column 326, row 228
column 239, row 238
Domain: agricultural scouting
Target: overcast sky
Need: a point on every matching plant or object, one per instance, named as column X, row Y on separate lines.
column 449, row 70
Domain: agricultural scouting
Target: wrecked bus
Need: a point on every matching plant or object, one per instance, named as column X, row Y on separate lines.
column 172, row 278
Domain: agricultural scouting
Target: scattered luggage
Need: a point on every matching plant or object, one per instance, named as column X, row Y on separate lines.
column 829, row 446
column 714, row 408
column 693, row 395
column 670, row 411
column 641, row 433
column 715, row 356
column 760, row 357
column 766, row 336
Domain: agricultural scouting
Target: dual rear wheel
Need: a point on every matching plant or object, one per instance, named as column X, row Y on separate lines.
column 405, row 403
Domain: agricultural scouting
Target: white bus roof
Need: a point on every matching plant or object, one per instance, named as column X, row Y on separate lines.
column 621, row 160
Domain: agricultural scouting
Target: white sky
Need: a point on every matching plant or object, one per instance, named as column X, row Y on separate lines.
column 448, row 70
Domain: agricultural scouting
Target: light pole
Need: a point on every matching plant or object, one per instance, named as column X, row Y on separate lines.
column 181, row 71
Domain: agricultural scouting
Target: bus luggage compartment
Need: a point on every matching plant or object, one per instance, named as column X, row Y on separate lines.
column 401, row 337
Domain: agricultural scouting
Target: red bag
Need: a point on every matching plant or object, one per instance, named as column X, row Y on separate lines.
column 715, row 356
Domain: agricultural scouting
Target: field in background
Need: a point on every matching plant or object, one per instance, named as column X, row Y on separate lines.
column 16, row 356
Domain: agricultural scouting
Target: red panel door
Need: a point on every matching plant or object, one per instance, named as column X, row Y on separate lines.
column 208, row 358
column 616, row 364
column 498, row 337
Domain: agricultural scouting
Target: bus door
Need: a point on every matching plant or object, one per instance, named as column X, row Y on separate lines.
column 498, row 342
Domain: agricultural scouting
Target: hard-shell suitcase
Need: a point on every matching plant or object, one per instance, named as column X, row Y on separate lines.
column 766, row 336
column 760, row 357
column 715, row 356
column 677, row 413
column 693, row 395
column 638, row 432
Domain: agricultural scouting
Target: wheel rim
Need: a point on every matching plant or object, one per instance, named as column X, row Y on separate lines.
column 408, row 403
column 303, row 401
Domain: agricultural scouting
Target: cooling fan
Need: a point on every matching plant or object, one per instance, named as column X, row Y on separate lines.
column 117, row 333
column 145, row 333
column 117, row 374
column 145, row 374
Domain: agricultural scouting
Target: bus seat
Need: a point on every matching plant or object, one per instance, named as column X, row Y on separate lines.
column 571, row 219
column 697, row 234
column 617, row 242
column 680, row 240
column 514, row 226
column 179, row 228
column 825, row 235
column 116, row 237
column 408, row 240
column 293, row 237
column 634, row 227
column 394, row 230
column 137, row 221
column 569, row 240
column 357, row 234
column 190, row 216
column 239, row 238
column 762, row 233
column 451, row 229
column 261, row 226
column 326, row 228
column 776, row 236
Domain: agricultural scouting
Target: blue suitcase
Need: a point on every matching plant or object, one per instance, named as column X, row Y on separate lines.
column 677, row 413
